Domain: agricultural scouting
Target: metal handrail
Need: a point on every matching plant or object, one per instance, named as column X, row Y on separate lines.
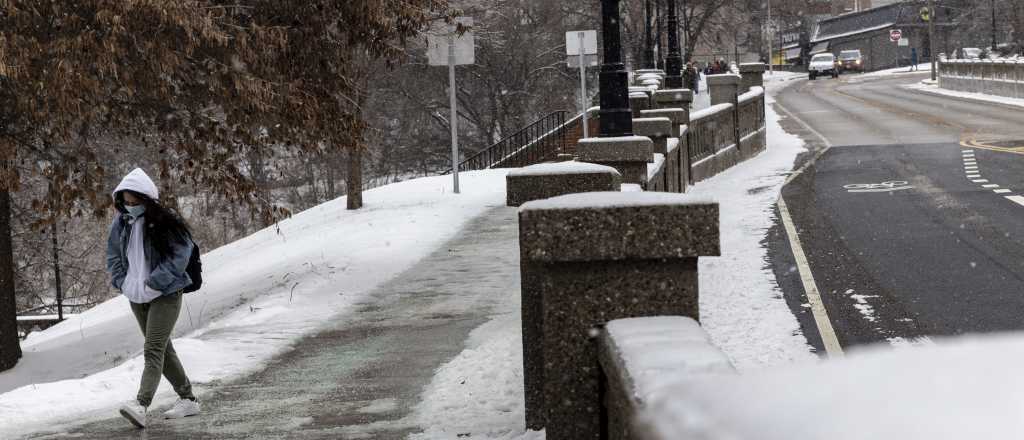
column 531, row 144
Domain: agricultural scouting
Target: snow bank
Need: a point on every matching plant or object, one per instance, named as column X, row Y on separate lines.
column 260, row 294
column 936, row 90
column 967, row 388
column 742, row 306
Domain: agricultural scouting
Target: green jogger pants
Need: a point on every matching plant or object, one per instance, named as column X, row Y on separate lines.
column 157, row 319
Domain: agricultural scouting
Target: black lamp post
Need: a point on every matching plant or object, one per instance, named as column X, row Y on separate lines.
column 648, row 41
column 616, row 119
column 673, row 62
column 660, row 60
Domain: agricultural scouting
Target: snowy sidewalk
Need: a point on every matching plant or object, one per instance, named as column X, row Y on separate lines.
column 361, row 376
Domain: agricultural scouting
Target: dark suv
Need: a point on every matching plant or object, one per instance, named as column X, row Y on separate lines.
column 851, row 60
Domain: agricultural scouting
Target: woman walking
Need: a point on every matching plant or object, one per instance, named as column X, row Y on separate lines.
column 147, row 254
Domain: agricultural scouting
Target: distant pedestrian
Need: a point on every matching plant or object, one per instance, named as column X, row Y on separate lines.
column 147, row 254
column 913, row 59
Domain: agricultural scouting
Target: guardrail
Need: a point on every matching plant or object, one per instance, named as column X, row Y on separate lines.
column 710, row 131
column 999, row 77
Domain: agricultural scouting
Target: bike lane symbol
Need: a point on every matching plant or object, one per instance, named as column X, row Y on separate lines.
column 890, row 186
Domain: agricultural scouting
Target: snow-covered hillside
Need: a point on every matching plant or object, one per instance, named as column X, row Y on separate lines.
column 260, row 294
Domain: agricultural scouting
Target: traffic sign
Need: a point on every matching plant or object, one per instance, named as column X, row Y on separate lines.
column 895, row 35
column 926, row 14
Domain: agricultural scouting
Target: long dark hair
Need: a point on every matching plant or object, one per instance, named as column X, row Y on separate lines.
column 162, row 224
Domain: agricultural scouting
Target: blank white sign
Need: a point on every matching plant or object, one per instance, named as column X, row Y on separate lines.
column 465, row 44
column 572, row 42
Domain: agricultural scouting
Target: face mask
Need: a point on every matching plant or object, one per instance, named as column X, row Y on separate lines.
column 135, row 211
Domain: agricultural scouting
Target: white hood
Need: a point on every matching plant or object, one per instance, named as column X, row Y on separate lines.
column 139, row 182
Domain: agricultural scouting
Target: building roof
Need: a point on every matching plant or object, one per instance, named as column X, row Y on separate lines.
column 858, row 22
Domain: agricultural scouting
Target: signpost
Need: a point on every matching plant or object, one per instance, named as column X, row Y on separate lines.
column 581, row 48
column 448, row 48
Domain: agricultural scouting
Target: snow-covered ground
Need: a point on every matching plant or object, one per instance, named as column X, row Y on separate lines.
column 741, row 305
column 995, row 99
column 905, row 70
column 260, row 294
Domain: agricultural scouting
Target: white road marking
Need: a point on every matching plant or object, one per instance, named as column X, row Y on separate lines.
column 821, row 320
column 970, row 162
column 968, row 154
column 991, row 185
column 973, row 176
column 1018, row 199
column 980, row 181
column 968, row 151
column 1003, row 191
column 970, row 167
column 828, row 334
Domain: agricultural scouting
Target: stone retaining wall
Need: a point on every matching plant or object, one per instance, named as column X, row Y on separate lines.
column 991, row 77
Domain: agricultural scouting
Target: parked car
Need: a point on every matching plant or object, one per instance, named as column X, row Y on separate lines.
column 851, row 60
column 823, row 64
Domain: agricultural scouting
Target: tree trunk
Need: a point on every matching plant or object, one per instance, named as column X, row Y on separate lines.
column 56, row 271
column 354, row 178
column 10, row 348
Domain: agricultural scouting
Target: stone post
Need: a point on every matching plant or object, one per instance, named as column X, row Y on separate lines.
column 678, row 116
column 657, row 129
column 753, row 75
column 725, row 90
column 628, row 154
column 546, row 180
column 591, row 258
column 639, row 101
column 673, row 98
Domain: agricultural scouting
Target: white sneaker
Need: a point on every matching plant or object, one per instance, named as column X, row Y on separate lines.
column 183, row 408
column 135, row 413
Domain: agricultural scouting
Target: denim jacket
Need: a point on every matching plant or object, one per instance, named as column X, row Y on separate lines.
column 166, row 272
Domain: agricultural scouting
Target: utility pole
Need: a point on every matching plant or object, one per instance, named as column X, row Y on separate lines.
column 994, row 43
column 931, row 35
column 674, row 62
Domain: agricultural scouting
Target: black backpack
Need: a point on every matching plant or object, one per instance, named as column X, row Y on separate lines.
column 194, row 270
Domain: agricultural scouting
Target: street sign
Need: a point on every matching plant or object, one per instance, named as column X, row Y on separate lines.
column 582, row 46
column 447, row 48
column 572, row 42
column 439, row 37
column 895, row 35
column 904, row 42
column 926, row 14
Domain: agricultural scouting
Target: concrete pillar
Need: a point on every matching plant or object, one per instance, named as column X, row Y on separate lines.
column 546, row 180
column 591, row 258
column 673, row 98
column 753, row 75
column 657, row 129
column 627, row 154
column 639, row 101
column 724, row 88
column 678, row 116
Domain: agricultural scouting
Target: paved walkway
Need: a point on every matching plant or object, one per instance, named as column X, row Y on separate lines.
column 362, row 375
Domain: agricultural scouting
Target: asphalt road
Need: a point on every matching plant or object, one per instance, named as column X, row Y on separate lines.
column 910, row 220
